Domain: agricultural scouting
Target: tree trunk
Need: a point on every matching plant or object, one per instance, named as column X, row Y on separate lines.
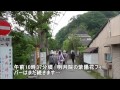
column 47, row 46
column 39, row 42
column 47, row 52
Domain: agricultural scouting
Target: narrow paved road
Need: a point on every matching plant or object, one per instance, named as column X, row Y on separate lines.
column 67, row 74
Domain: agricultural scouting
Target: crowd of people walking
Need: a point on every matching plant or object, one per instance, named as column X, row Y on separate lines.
column 59, row 57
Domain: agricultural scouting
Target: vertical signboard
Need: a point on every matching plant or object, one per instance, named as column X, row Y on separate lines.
column 42, row 58
column 0, row 66
column 37, row 56
column 6, row 67
column 33, row 58
column 6, row 64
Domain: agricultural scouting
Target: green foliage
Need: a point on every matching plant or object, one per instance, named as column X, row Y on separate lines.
column 110, row 14
column 22, row 47
column 66, row 45
column 43, row 49
column 72, row 43
column 96, row 75
column 81, row 49
column 91, row 22
column 48, row 35
column 53, row 44
column 20, row 76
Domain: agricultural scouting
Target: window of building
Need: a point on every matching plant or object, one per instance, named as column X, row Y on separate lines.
column 108, row 57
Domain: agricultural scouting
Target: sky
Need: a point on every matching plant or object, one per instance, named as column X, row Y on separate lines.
column 63, row 20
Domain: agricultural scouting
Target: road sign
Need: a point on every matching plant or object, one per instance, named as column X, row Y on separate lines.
column 5, row 27
column 5, row 41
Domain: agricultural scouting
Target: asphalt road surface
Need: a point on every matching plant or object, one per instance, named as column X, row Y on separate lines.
column 67, row 74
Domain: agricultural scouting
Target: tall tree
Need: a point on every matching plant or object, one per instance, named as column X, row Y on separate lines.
column 36, row 24
column 72, row 43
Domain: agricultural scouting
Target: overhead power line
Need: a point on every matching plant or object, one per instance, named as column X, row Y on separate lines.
column 61, row 18
column 54, row 23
